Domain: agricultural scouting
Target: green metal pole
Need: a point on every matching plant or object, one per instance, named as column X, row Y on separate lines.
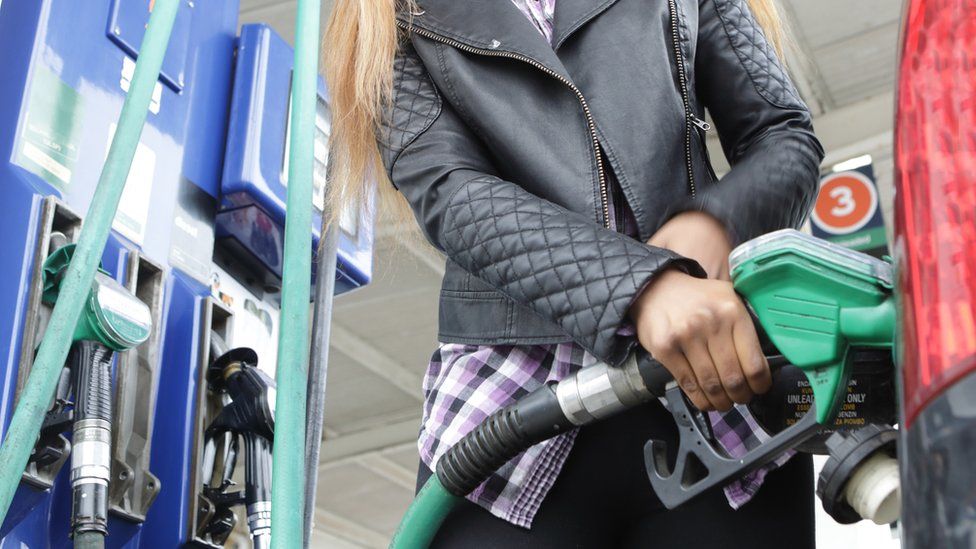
column 287, row 483
column 36, row 396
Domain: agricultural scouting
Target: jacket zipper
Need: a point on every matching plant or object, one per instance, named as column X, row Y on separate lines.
column 691, row 119
column 590, row 124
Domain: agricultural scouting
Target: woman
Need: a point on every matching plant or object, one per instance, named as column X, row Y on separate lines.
column 554, row 151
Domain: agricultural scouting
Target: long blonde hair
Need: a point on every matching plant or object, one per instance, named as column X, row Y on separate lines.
column 360, row 43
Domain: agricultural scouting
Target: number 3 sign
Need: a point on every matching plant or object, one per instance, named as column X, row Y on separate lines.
column 847, row 202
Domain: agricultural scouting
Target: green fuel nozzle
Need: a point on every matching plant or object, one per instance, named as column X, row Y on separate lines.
column 113, row 319
column 817, row 301
column 112, row 316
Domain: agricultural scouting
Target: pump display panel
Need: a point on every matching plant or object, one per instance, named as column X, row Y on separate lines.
column 255, row 180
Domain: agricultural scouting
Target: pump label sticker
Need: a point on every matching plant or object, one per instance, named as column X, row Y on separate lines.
column 255, row 321
column 849, row 414
column 125, row 82
column 130, row 220
column 192, row 236
column 49, row 137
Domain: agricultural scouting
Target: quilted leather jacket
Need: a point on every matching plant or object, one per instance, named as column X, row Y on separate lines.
column 502, row 145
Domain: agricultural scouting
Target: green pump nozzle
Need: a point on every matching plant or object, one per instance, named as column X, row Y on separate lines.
column 817, row 301
column 112, row 315
column 113, row 319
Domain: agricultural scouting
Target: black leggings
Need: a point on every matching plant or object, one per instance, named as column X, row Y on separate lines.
column 602, row 499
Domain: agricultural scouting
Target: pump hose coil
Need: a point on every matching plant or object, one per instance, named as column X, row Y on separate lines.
column 534, row 418
column 550, row 410
column 92, row 364
column 492, row 444
column 499, row 438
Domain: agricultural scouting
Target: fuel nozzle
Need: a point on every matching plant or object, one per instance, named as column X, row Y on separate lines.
column 869, row 399
column 113, row 320
column 251, row 392
column 112, row 316
column 860, row 478
column 249, row 413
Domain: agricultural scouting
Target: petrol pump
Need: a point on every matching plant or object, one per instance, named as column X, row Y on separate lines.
column 196, row 244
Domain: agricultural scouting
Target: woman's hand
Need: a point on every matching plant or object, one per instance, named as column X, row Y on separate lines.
column 701, row 332
column 698, row 236
column 699, row 329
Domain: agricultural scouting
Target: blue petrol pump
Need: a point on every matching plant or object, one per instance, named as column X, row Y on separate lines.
column 256, row 166
column 197, row 239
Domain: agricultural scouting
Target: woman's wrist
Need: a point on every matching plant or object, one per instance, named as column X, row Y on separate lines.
column 659, row 282
column 699, row 236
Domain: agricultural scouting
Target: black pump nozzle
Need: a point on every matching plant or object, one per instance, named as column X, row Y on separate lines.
column 250, row 415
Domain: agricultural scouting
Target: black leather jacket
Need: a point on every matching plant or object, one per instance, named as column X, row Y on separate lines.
column 502, row 144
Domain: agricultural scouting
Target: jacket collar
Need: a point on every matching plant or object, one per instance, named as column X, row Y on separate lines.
column 498, row 25
column 571, row 15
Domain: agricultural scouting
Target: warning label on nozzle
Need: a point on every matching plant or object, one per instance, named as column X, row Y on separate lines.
column 870, row 396
column 849, row 414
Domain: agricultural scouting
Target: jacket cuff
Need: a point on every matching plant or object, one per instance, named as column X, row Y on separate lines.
column 617, row 345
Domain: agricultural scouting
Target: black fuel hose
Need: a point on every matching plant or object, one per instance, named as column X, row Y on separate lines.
column 540, row 416
column 90, row 363
column 534, row 418
column 499, row 438
column 513, row 429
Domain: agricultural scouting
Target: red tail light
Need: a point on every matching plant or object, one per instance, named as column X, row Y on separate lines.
column 935, row 205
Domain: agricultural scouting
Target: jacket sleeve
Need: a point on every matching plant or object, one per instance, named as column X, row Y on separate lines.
column 764, row 126
column 562, row 265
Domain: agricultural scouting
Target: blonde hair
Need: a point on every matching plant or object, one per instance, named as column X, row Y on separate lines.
column 360, row 44
column 767, row 14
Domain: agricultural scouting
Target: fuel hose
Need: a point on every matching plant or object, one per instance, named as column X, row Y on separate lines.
column 425, row 516
column 91, row 367
column 592, row 394
column 53, row 350
column 288, row 482
column 319, row 364
column 89, row 540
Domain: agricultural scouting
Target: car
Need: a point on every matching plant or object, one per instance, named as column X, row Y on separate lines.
column 935, row 253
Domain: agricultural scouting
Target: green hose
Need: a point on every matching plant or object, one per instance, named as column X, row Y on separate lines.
column 287, row 484
column 424, row 517
column 89, row 540
column 36, row 396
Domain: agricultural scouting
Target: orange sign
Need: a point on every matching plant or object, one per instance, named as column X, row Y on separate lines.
column 847, row 201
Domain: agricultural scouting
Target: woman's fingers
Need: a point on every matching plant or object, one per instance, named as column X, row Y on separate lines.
column 665, row 347
column 696, row 351
column 751, row 357
column 684, row 375
column 722, row 349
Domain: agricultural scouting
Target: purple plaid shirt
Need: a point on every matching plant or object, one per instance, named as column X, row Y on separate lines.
column 465, row 384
